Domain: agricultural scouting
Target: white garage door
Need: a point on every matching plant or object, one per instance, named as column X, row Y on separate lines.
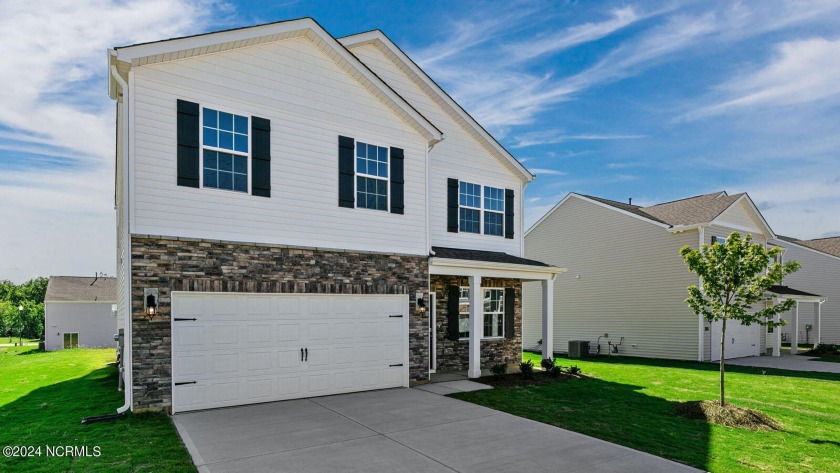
column 231, row 349
column 741, row 340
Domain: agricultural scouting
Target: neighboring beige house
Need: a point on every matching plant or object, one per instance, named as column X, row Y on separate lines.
column 626, row 281
column 818, row 320
column 80, row 312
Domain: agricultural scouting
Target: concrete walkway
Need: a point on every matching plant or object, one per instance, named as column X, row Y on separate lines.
column 787, row 362
column 394, row 430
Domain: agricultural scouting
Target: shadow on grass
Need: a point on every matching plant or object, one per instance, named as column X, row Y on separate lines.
column 615, row 412
column 704, row 366
column 51, row 415
column 824, row 442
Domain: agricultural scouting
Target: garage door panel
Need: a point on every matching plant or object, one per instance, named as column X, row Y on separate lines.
column 741, row 340
column 245, row 348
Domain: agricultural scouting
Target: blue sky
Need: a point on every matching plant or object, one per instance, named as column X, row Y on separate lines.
column 650, row 100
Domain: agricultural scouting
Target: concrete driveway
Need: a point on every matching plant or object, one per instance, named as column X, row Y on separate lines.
column 787, row 362
column 395, row 430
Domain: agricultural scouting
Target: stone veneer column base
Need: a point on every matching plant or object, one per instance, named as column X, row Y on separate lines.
column 180, row 264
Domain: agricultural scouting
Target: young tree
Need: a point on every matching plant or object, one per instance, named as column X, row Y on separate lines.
column 735, row 276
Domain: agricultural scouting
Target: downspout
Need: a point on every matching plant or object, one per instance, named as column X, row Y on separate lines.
column 127, row 355
column 701, row 336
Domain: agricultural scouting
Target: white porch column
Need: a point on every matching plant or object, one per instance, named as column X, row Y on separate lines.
column 548, row 318
column 817, row 317
column 794, row 343
column 777, row 337
column 476, row 326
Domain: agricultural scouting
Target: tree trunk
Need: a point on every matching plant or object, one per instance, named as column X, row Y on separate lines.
column 722, row 357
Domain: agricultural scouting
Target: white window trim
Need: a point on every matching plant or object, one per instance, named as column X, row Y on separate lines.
column 481, row 209
column 482, row 289
column 202, row 147
column 357, row 174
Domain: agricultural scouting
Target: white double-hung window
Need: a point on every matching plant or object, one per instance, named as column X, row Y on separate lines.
column 493, row 312
column 225, row 151
column 481, row 209
column 371, row 176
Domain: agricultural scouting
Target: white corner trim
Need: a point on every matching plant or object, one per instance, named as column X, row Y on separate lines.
column 379, row 38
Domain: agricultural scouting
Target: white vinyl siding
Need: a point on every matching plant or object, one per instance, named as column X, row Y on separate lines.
column 820, row 274
column 625, row 278
column 310, row 101
column 741, row 218
column 459, row 156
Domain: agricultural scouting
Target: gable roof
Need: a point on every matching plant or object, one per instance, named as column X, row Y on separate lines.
column 829, row 246
column 81, row 289
column 214, row 42
column 691, row 211
column 438, row 95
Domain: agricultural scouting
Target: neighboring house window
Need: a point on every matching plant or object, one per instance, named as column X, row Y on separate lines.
column 469, row 218
column 717, row 239
column 71, row 340
column 371, row 176
column 494, row 211
column 494, row 313
column 225, row 150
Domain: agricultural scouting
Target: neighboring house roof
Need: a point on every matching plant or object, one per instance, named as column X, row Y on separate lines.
column 81, row 289
column 207, row 43
column 437, row 94
column 480, row 255
column 698, row 210
column 829, row 246
column 789, row 291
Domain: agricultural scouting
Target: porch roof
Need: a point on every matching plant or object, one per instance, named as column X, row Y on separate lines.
column 467, row 262
column 786, row 292
column 481, row 255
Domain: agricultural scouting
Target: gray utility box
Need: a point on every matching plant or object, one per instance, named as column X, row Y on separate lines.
column 578, row 348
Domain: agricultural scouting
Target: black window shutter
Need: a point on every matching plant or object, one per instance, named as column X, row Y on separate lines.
column 346, row 172
column 508, row 213
column 260, row 157
column 452, row 202
column 397, row 181
column 452, row 317
column 510, row 318
column 188, row 144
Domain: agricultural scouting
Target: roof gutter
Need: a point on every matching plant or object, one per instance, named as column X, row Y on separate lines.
column 437, row 261
column 684, row 228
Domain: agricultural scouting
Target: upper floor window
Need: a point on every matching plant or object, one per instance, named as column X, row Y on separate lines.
column 371, row 176
column 469, row 197
column 481, row 207
column 225, row 150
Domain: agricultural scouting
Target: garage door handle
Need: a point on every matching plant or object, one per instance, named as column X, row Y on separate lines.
column 399, row 364
column 185, row 382
column 307, row 354
column 182, row 320
column 392, row 316
column 301, row 354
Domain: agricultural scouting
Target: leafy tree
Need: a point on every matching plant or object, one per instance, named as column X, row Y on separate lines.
column 735, row 276
column 6, row 318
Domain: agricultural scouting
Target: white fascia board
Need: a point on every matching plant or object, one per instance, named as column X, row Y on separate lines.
column 379, row 37
column 746, row 197
column 601, row 204
column 684, row 228
column 130, row 53
column 486, row 269
column 817, row 299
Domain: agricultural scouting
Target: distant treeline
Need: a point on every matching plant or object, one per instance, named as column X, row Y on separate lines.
column 29, row 322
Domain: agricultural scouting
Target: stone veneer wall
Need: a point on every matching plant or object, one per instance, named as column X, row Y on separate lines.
column 181, row 264
column 453, row 355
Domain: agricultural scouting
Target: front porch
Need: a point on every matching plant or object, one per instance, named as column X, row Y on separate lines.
column 783, row 293
column 477, row 310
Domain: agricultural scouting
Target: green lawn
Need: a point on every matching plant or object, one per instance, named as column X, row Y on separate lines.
column 43, row 398
column 630, row 401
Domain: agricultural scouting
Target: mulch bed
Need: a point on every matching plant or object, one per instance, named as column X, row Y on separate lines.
column 514, row 380
column 729, row 415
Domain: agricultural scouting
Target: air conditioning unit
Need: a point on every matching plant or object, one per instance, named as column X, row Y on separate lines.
column 578, row 348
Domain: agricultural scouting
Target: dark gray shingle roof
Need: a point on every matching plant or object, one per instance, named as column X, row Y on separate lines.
column 789, row 291
column 480, row 255
column 81, row 289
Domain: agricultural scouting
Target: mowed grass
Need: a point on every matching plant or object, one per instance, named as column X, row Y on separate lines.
column 630, row 401
column 45, row 395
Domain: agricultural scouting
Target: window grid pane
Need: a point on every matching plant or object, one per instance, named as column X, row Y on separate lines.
column 371, row 193
column 493, row 223
column 225, row 171
column 494, row 199
column 225, row 130
column 468, row 220
column 470, row 195
column 494, row 310
column 371, row 160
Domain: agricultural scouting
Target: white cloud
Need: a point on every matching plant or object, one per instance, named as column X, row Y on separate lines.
column 553, row 172
column 55, row 104
column 802, row 72
column 544, row 137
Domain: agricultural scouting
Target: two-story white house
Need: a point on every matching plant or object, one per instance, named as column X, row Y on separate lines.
column 300, row 215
